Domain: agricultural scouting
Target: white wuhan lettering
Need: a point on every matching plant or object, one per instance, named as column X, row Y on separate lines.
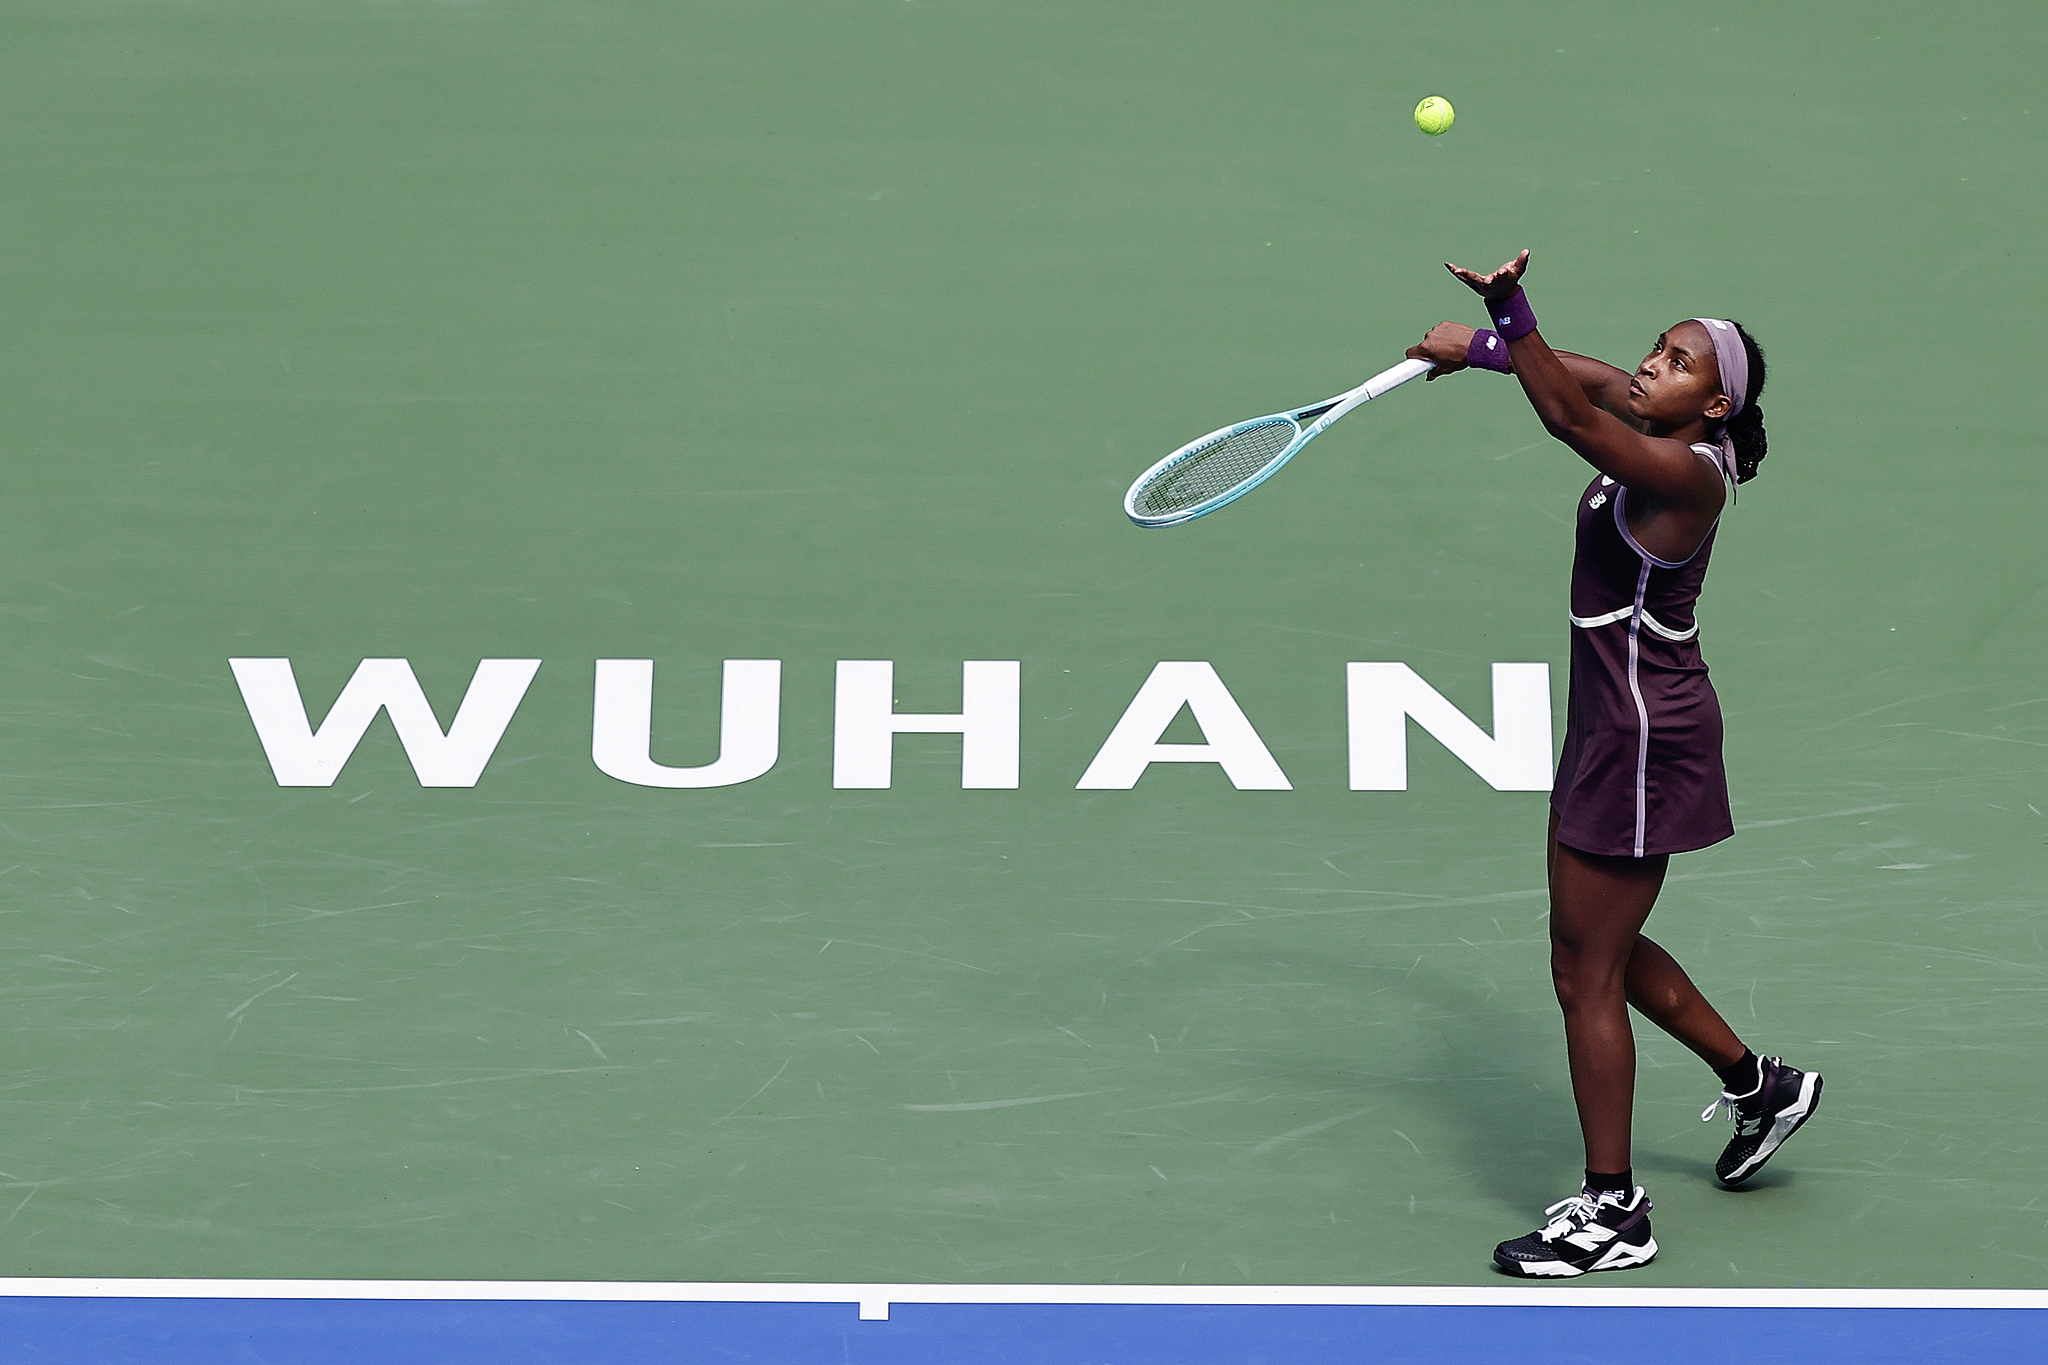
column 1381, row 698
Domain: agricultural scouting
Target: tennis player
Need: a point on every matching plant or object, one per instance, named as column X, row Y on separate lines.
column 1640, row 777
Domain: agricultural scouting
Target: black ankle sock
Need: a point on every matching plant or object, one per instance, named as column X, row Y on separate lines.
column 1601, row 1182
column 1744, row 1076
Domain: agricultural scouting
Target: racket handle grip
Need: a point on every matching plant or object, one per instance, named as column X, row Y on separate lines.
column 1397, row 376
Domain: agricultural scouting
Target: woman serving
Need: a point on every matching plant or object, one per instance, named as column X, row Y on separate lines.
column 1640, row 777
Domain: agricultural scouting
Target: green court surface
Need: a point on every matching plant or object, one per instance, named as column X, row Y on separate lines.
column 702, row 331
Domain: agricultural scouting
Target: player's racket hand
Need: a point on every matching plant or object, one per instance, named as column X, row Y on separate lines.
column 1446, row 346
column 1499, row 284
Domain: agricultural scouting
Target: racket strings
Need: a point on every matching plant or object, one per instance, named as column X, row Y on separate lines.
column 1211, row 470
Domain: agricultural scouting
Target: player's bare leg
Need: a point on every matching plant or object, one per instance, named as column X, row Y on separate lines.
column 1662, row 993
column 1597, row 909
column 1602, row 963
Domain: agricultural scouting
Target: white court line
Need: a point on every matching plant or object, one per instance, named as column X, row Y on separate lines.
column 874, row 1299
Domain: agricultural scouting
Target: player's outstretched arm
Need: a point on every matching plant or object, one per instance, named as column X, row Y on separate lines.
column 1667, row 470
column 1605, row 387
column 1447, row 345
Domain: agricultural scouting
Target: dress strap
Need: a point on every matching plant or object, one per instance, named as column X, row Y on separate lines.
column 1723, row 456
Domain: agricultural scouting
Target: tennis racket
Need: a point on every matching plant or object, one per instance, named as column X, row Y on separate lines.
column 1223, row 466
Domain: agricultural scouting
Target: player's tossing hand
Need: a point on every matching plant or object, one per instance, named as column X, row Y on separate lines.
column 1445, row 346
column 1499, row 284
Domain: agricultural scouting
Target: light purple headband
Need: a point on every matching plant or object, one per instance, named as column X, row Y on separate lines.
column 1733, row 359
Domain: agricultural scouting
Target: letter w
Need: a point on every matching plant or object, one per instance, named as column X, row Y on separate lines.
column 300, row 756
column 1515, row 758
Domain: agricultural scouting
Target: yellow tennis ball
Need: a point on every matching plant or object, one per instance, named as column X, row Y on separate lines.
column 1434, row 115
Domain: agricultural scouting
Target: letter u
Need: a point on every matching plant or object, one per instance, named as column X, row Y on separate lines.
column 749, row 726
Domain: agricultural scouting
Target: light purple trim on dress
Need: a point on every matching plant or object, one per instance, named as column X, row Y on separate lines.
column 1621, row 525
column 1621, row 517
column 1635, row 688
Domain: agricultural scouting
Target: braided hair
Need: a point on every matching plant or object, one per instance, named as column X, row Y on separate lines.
column 1746, row 428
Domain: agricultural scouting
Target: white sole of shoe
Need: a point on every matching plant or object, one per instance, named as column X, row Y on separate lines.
column 1620, row 1257
column 1624, row 1256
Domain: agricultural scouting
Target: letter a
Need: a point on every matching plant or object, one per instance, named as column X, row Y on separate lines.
column 1232, row 743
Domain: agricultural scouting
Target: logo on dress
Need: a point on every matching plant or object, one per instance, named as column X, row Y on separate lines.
column 1597, row 501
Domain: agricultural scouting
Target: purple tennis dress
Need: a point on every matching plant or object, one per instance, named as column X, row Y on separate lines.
column 1641, row 771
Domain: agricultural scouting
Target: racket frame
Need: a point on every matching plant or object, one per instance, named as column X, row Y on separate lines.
column 1318, row 415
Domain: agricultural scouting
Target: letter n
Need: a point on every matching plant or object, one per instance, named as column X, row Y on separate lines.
column 1514, row 758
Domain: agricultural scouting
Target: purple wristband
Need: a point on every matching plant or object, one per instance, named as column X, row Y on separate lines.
column 1488, row 352
column 1512, row 315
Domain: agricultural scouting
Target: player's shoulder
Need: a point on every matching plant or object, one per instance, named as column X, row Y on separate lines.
column 1693, row 473
column 1693, row 452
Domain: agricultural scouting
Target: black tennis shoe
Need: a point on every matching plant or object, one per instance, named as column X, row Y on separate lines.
column 1784, row 1099
column 1603, row 1230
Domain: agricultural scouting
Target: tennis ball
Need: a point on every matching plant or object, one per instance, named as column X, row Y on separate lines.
column 1434, row 115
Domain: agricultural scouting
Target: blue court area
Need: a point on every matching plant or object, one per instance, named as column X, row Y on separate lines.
column 311, row 1332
